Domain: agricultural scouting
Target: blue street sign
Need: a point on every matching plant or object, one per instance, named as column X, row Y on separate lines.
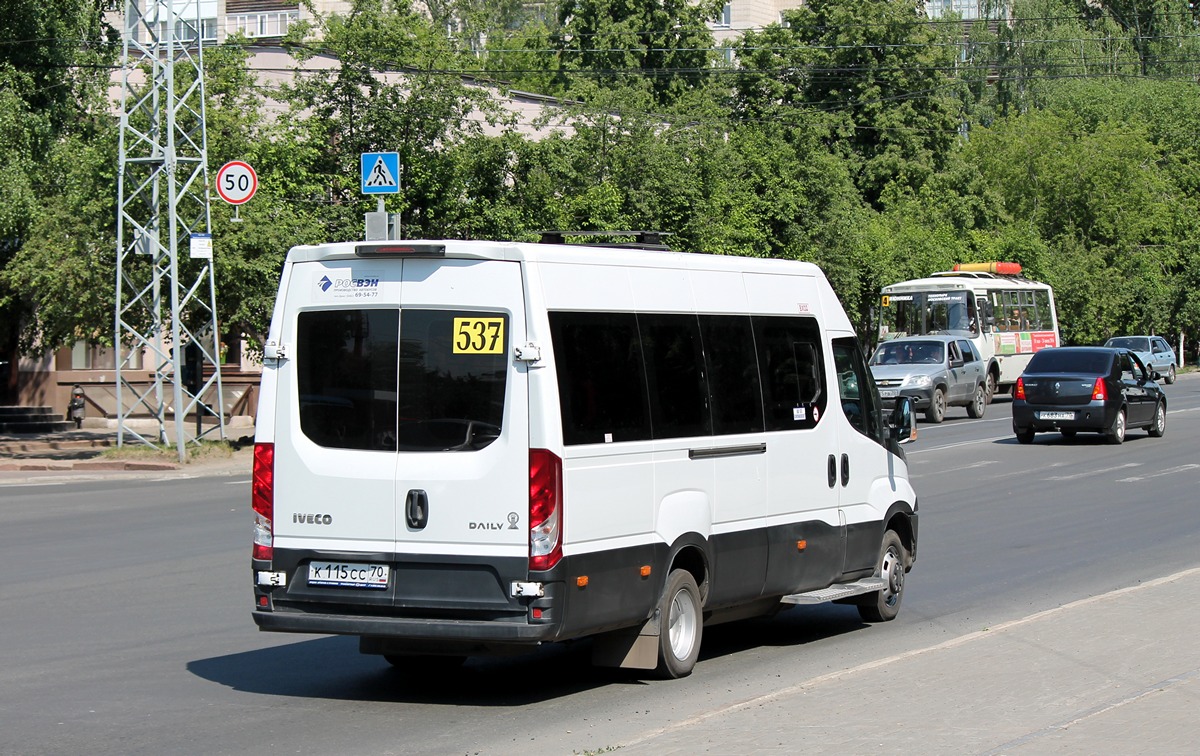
column 380, row 173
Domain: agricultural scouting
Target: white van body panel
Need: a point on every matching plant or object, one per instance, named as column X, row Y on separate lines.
column 329, row 473
column 364, row 492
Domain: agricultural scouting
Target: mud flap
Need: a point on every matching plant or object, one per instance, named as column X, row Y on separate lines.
column 631, row 648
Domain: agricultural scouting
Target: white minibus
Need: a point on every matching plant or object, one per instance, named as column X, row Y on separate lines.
column 476, row 447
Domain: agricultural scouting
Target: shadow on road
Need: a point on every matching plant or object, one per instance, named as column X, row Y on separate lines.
column 332, row 668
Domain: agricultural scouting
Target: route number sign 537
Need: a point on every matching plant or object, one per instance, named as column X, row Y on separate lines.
column 236, row 182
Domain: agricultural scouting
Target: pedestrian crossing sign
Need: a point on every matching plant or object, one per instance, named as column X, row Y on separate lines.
column 380, row 172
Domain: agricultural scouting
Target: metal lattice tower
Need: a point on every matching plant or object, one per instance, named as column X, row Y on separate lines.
column 165, row 297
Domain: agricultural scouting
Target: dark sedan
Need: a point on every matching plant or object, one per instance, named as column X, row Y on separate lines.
column 1097, row 389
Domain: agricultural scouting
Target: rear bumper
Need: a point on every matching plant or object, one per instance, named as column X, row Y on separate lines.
column 455, row 631
column 456, row 601
column 1094, row 417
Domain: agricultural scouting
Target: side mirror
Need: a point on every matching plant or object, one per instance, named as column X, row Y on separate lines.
column 901, row 424
column 1155, row 375
column 956, row 363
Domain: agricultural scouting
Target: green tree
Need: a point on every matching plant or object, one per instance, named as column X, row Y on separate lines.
column 392, row 88
column 54, row 63
column 660, row 46
column 881, row 74
column 287, row 209
column 1163, row 32
column 1105, row 208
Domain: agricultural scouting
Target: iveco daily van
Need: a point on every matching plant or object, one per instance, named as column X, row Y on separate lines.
column 471, row 447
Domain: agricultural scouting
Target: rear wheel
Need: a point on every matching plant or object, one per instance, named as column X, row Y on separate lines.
column 1116, row 434
column 1024, row 435
column 885, row 605
column 1171, row 374
column 1159, row 426
column 681, row 625
column 937, row 406
column 978, row 404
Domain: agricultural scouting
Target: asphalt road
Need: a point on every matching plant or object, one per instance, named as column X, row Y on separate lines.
column 125, row 610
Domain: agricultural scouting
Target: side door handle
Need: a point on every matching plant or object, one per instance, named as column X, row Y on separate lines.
column 832, row 471
column 416, row 509
column 845, row 469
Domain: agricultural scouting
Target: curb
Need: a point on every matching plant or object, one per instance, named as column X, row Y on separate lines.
column 84, row 466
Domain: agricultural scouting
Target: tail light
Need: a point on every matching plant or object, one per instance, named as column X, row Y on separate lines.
column 1019, row 391
column 262, row 499
column 1098, row 392
column 545, row 509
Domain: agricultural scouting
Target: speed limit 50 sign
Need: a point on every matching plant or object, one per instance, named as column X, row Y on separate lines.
column 236, row 182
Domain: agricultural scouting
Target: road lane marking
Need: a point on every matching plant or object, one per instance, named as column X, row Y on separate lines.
column 960, row 443
column 1159, row 474
column 1090, row 473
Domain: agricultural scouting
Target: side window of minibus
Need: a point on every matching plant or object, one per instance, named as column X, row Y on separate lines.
column 601, row 377
column 789, row 362
column 857, row 389
column 675, row 375
column 733, row 380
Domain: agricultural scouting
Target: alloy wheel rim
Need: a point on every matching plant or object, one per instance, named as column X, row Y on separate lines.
column 682, row 624
column 893, row 574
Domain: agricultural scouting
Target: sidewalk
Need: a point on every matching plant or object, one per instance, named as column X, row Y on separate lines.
column 78, row 454
column 1117, row 673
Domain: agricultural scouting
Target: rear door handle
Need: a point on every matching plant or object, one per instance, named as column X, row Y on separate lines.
column 845, row 469
column 416, row 509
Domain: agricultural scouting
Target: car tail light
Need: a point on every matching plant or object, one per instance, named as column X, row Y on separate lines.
column 1098, row 392
column 1019, row 391
column 545, row 509
column 262, row 499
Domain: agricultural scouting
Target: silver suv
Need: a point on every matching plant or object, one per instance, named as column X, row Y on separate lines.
column 935, row 371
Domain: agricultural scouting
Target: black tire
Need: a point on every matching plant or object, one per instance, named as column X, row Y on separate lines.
column 1170, row 374
column 1116, row 434
column 937, row 406
column 893, row 559
column 991, row 387
column 1159, row 426
column 978, row 404
column 681, row 625
column 1025, row 435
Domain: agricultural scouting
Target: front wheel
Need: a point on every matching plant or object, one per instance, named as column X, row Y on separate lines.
column 681, row 624
column 937, row 406
column 978, row 405
column 885, row 605
column 1116, row 434
column 991, row 387
column 1160, row 421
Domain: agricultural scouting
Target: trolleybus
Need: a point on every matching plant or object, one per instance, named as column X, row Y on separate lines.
column 1007, row 316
